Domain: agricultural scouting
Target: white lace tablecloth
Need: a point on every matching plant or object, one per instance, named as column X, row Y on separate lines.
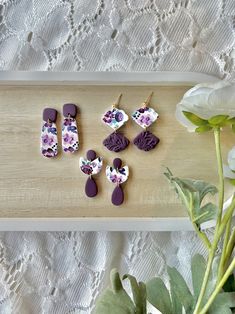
column 64, row 272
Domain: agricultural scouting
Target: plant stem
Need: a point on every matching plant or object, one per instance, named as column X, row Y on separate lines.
column 205, row 279
column 218, row 287
column 223, row 259
column 220, row 173
column 201, row 234
column 218, row 222
column 230, row 246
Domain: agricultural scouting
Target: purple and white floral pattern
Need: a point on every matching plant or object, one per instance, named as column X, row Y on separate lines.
column 145, row 116
column 117, row 176
column 49, row 140
column 115, row 118
column 70, row 140
column 90, row 167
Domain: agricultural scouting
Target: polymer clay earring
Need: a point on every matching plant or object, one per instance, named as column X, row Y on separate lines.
column 117, row 175
column 115, row 118
column 70, row 139
column 49, row 140
column 144, row 117
column 90, row 166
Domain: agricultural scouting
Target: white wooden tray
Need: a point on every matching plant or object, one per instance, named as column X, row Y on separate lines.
column 41, row 194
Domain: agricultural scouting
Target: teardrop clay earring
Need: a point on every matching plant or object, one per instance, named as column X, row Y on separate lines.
column 115, row 118
column 144, row 117
column 90, row 166
column 118, row 175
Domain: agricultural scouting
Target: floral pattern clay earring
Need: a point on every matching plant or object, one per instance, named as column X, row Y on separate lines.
column 144, row 117
column 115, row 118
column 49, row 140
column 70, row 140
column 117, row 175
column 90, row 166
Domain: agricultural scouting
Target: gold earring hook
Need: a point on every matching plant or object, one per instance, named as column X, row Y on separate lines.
column 118, row 101
column 147, row 101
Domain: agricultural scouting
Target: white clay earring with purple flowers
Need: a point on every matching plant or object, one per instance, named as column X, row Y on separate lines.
column 144, row 117
column 91, row 166
column 49, row 140
column 117, row 175
column 115, row 118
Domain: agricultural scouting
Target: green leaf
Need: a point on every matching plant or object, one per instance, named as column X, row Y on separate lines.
column 194, row 118
column 115, row 300
column 192, row 192
column 203, row 128
column 231, row 121
column 158, row 296
column 233, row 128
column 206, row 213
column 139, row 294
column 223, row 303
column 176, row 305
column 218, row 120
column 181, row 289
column 232, row 181
column 198, row 267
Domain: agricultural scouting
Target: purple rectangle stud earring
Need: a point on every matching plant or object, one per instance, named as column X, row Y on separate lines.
column 90, row 166
column 70, row 139
column 117, row 174
column 49, row 140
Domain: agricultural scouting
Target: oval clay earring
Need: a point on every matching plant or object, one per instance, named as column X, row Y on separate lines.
column 115, row 118
column 144, row 117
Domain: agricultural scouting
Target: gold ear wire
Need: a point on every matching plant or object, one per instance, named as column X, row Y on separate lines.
column 118, row 101
column 147, row 101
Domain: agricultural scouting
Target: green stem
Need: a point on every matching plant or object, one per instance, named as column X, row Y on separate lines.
column 230, row 246
column 219, row 217
column 223, row 259
column 220, row 173
column 201, row 234
column 218, row 287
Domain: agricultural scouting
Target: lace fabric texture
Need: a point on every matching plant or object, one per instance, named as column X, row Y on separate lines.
column 118, row 35
column 63, row 273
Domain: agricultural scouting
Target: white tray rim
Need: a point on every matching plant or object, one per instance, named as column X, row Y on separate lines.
column 104, row 78
column 101, row 78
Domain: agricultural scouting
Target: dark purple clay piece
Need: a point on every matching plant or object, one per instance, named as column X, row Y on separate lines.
column 117, row 163
column 91, row 155
column 70, row 109
column 91, row 189
column 146, row 141
column 117, row 196
column 49, row 114
column 116, row 142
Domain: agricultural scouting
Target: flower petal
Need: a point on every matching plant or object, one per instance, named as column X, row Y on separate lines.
column 228, row 173
column 231, row 159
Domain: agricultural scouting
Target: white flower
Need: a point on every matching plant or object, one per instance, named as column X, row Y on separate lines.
column 207, row 100
column 229, row 170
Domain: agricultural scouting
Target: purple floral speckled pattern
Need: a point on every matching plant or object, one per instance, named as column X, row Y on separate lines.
column 49, row 140
column 70, row 139
column 115, row 118
column 90, row 167
column 145, row 116
column 117, row 176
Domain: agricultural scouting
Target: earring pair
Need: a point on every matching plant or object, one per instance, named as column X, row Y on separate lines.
column 144, row 117
column 116, row 174
column 49, row 139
